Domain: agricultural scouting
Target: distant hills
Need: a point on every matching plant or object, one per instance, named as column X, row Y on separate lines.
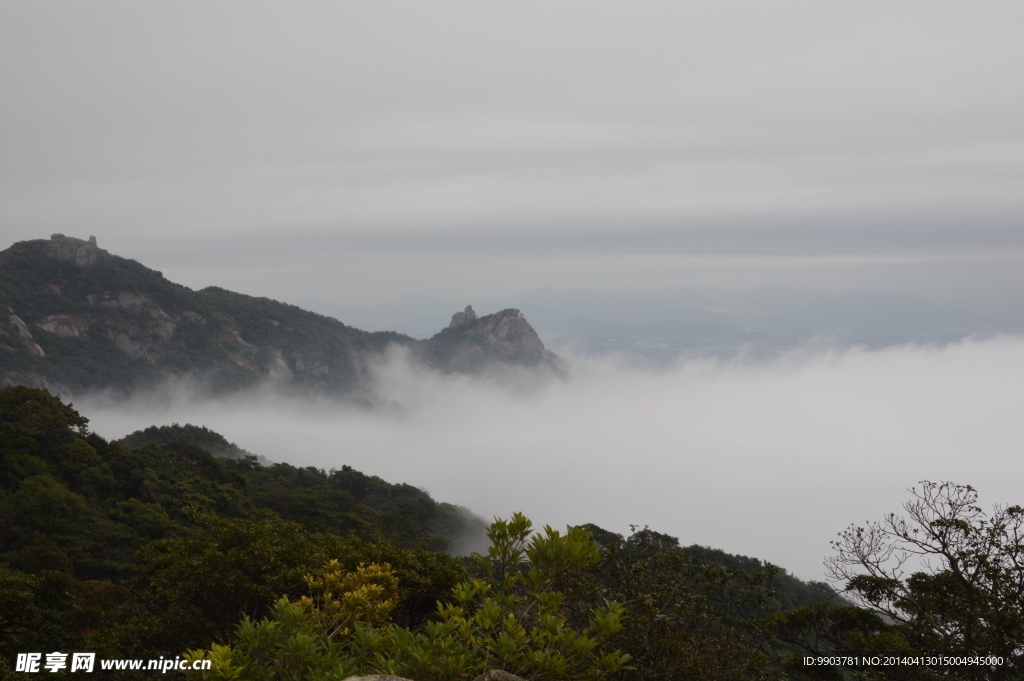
column 74, row 317
column 660, row 326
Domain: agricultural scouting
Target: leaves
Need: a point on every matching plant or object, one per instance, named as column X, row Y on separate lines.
column 511, row 619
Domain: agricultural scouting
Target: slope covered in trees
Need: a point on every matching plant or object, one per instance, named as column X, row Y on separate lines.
column 154, row 550
column 99, row 501
column 200, row 436
column 149, row 550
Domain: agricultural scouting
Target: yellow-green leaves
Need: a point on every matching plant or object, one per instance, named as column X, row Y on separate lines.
column 512, row 619
column 223, row 666
column 340, row 599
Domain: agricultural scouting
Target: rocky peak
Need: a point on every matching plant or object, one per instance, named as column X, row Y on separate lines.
column 462, row 318
column 471, row 342
column 82, row 253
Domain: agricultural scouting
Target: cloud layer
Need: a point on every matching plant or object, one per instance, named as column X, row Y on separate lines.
column 769, row 459
column 422, row 137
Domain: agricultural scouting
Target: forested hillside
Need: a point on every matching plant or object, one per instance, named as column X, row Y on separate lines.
column 277, row 572
column 152, row 545
column 165, row 537
column 200, row 436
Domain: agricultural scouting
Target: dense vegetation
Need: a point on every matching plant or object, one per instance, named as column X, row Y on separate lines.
column 200, row 436
column 168, row 544
column 272, row 571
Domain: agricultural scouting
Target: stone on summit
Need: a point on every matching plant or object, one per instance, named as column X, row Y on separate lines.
column 463, row 318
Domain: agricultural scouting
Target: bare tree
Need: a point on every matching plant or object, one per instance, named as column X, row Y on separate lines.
column 947, row 575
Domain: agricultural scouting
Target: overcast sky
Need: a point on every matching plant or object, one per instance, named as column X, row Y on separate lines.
column 359, row 151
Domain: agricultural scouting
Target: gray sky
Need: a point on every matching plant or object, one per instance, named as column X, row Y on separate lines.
column 360, row 151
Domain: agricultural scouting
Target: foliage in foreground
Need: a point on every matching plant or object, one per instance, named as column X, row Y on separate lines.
column 150, row 551
column 146, row 552
column 510, row 618
column 946, row 580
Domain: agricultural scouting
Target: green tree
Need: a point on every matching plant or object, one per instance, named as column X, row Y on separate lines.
column 687, row 618
column 192, row 590
column 510, row 618
column 34, row 425
column 43, row 503
column 38, row 612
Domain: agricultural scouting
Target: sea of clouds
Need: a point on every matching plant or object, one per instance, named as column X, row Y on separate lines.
column 767, row 458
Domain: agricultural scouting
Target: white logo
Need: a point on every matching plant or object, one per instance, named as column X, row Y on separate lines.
column 55, row 661
column 82, row 661
column 27, row 662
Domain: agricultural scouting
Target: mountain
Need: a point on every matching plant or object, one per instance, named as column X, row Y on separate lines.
column 471, row 343
column 660, row 326
column 74, row 317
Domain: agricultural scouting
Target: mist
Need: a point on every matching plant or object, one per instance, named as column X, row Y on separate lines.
column 768, row 458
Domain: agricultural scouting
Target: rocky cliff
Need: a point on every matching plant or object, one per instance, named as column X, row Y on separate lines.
column 470, row 343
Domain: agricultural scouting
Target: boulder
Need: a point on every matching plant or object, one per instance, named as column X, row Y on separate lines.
column 498, row 675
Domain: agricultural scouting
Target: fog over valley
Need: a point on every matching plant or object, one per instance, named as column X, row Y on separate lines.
column 740, row 273
column 762, row 458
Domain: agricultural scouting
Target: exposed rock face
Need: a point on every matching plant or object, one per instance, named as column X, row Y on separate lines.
column 67, row 326
column 471, row 343
column 125, row 300
column 140, row 340
column 26, row 335
column 463, row 318
column 134, row 348
column 507, row 334
column 311, row 363
column 277, row 367
column 162, row 328
column 82, row 253
column 36, row 381
column 197, row 319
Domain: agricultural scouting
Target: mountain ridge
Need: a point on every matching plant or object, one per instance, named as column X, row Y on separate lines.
column 74, row 317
